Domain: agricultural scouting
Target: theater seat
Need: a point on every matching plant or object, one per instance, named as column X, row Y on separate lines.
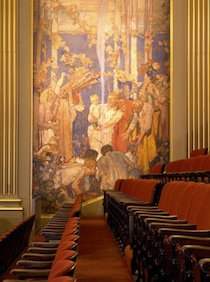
column 199, row 152
column 158, row 168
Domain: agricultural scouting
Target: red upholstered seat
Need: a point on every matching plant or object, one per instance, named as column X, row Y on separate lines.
column 189, row 193
column 167, row 194
column 142, row 189
column 203, row 222
column 199, row 152
column 66, row 245
column 117, row 185
column 196, row 203
column 177, row 166
column 63, row 279
column 158, row 168
column 177, row 198
column 65, row 255
column 61, row 268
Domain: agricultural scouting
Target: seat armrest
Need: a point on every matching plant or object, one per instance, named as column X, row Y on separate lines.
column 34, row 280
column 39, row 257
column 145, row 216
column 205, row 265
column 138, row 204
column 61, row 267
column 138, row 212
column 59, row 220
column 151, row 220
column 188, row 240
column 157, row 225
column 34, row 264
column 58, row 241
column 30, row 273
column 52, row 229
column 51, row 232
column 42, row 250
column 196, row 251
column 45, row 244
column 134, row 207
column 166, row 232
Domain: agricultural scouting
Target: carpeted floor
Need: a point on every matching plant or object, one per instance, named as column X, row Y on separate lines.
column 99, row 258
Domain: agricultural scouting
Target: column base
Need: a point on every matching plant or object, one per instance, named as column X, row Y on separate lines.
column 11, row 213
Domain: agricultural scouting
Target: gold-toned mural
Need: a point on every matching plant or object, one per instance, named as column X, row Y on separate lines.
column 101, row 95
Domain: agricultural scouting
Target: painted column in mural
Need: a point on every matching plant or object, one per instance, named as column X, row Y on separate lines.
column 37, row 63
column 148, row 30
column 133, row 32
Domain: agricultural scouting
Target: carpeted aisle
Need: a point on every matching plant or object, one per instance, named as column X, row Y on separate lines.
column 99, row 258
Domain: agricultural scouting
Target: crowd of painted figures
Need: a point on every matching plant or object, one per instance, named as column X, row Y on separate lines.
column 125, row 134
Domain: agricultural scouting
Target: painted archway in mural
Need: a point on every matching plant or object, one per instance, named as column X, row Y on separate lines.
column 101, row 94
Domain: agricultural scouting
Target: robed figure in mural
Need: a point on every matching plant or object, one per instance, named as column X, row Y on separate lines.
column 113, row 165
column 141, row 122
column 66, row 114
column 110, row 115
column 47, row 111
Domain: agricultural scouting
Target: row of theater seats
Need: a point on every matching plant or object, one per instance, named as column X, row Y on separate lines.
column 192, row 169
column 170, row 240
column 129, row 191
column 54, row 257
column 10, row 243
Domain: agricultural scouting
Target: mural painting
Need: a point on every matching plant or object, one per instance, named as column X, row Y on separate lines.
column 101, row 95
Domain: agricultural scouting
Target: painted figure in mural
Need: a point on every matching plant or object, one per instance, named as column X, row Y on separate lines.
column 125, row 106
column 134, row 174
column 163, row 85
column 93, row 118
column 50, row 147
column 89, row 154
column 159, row 97
column 151, row 71
column 113, row 165
column 110, row 115
column 48, row 107
column 140, row 131
column 148, row 91
column 73, row 176
column 47, row 112
column 66, row 114
column 150, row 95
column 94, row 110
column 90, row 183
column 134, row 91
column 132, row 153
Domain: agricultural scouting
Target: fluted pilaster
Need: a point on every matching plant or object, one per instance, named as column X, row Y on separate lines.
column 9, row 199
column 198, row 74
